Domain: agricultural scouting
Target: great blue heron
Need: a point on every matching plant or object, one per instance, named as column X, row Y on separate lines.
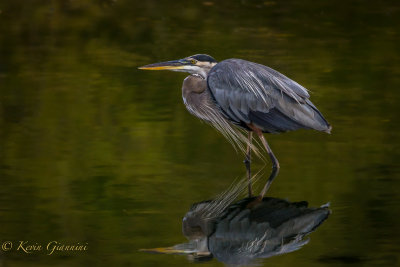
column 237, row 94
column 240, row 232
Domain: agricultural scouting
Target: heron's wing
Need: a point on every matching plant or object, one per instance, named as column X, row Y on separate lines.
column 272, row 227
column 249, row 92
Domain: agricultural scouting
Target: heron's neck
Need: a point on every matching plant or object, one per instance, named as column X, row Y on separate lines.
column 203, row 69
column 203, row 73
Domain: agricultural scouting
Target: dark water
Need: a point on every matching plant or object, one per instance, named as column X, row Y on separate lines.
column 96, row 152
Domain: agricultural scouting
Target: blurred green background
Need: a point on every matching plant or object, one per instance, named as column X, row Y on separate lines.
column 93, row 150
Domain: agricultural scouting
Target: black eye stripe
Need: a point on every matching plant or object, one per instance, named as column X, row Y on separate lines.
column 202, row 57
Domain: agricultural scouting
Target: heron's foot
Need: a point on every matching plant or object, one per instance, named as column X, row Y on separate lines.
column 250, row 190
column 274, row 173
column 255, row 202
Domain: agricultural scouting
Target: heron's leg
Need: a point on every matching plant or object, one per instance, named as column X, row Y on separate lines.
column 247, row 162
column 275, row 165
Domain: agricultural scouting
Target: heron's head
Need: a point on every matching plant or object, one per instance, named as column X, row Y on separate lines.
column 198, row 64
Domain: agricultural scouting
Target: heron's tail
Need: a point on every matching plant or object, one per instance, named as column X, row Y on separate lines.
column 321, row 124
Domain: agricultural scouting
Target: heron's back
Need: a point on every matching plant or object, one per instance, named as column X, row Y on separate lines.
column 248, row 92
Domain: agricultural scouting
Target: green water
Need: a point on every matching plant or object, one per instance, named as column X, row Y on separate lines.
column 97, row 152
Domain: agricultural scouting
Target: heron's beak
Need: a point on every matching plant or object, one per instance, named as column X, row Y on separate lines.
column 167, row 250
column 168, row 65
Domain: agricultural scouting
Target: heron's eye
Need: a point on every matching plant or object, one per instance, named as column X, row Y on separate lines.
column 193, row 61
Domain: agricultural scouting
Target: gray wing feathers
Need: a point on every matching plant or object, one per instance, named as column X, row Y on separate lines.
column 250, row 92
column 274, row 227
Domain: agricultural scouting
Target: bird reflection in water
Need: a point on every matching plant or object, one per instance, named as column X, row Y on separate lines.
column 239, row 233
